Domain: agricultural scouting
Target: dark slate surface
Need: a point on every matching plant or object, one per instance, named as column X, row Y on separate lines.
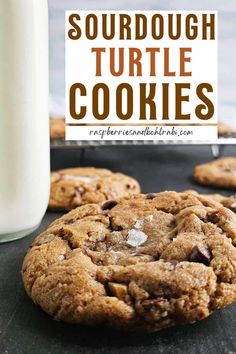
column 24, row 328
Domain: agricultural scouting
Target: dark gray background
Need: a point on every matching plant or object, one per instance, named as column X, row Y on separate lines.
column 25, row 328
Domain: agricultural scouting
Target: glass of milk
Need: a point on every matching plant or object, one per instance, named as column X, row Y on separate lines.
column 24, row 117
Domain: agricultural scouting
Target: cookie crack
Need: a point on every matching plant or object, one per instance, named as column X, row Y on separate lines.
column 65, row 236
column 112, row 227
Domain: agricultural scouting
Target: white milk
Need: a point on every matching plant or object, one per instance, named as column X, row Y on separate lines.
column 24, row 123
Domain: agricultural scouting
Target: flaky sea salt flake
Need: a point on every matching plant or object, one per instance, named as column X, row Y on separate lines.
column 84, row 179
column 136, row 238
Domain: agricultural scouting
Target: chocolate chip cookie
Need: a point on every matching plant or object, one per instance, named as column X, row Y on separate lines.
column 143, row 262
column 77, row 186
column 219, row 173
column 57, row 128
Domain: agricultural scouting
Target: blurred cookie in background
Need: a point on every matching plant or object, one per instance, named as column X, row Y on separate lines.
column 218, row 173
column 224, row 129
column 57, row 128
column 73, row 187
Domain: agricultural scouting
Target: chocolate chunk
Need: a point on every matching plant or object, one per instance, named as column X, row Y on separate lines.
column 109, row 205
column 173, row 223
column 150, row 196
column 200, row 254
column 213, row 218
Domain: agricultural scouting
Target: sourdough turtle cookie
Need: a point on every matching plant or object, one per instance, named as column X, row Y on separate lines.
column 143, row 262
column 57, row 128
column 219, row 173
column 77, row 186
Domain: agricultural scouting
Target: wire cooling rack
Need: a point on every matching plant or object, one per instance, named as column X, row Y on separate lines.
column 216, row 146
column 62, row 143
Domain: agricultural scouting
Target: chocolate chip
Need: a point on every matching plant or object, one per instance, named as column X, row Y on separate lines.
column 213, row 218
column 109, row 205
column 172, row 223
column 200, row 254
column 150, row 196
column 69, row 222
